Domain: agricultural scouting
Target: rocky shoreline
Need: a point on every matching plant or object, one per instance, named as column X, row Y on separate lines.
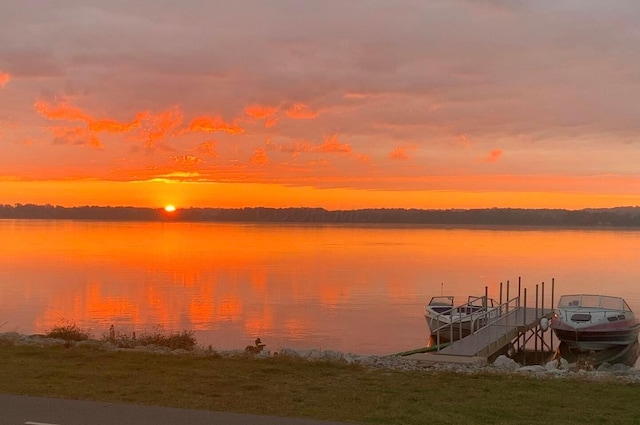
column 502, row 365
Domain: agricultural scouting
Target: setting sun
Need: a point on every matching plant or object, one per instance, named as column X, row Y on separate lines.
column 170, row 208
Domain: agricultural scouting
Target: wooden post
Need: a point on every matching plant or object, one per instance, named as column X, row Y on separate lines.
column 535, row 340
column 508, row 296
column 524, row 316
column 525, row 304
column 485, row 302
column 553, row 284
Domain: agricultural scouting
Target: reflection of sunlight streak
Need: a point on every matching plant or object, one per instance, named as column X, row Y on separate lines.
column 297, row 328
column 258, row 279
column 201, row 309
column 330, row 296
column 118, row 308
column 159, row 311
column 229, row 310
column 258, row 324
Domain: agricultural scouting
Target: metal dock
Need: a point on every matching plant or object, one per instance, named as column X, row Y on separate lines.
column 497, row 334
column 512, row 326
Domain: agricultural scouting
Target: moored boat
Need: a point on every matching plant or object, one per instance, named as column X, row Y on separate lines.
column 449, row 323
column 594, row 322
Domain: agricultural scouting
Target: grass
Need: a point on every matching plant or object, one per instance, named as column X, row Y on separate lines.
column 291, row 387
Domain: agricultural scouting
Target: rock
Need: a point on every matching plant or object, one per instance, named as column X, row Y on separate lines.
column 558, row 365
column 605, row 367
column 533, row 369
column 504, row 362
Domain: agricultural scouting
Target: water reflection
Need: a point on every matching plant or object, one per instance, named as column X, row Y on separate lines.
column 359, row 289
column 626, row 355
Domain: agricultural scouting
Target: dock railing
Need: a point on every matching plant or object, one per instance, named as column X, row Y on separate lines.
column 465, row 319
column 477, row 313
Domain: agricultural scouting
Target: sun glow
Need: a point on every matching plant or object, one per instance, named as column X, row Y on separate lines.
column 170, row 208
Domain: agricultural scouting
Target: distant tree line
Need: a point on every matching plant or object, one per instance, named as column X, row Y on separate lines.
column 590, row 217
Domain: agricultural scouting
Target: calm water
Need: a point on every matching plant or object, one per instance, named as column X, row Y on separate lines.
column 359, row 289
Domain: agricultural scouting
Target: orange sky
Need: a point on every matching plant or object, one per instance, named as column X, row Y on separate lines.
column 421, row 104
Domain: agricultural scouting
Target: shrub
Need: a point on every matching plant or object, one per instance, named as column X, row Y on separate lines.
column 68, row 331
column 173, row 340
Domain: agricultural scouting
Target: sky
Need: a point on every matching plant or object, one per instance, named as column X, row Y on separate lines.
column 335, row 104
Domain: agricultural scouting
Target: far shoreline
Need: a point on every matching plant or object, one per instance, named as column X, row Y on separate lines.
column 492, row 218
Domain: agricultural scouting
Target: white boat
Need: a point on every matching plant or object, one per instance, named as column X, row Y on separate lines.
column 449, row 323
column 594, row 322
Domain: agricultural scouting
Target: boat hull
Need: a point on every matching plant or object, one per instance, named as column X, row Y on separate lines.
column 622, row 354
column 596, row 338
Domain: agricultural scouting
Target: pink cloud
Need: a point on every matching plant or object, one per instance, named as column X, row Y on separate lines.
column 208, row 148
column 75, row 136
column 301, row 111
column 332, row 145
column 363, row 158
column 4, row 78
column 156, row 127
column 259, row 157
column 112, row 126
column 260, row 112
column 493, row 156
column 295, row 148
column 62, row 111
column 213, row 124
column 401, row 152
column 186, row 160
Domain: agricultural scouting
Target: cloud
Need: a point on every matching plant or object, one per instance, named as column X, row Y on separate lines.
column 4, row 78
column 295, row 148
column 266, row 113
column 331, row 144
column 259, row 157
column 186, row 160
column 208, row 148
column 154, row 128
column 150, row 128
column 398, row 153
column 301, row 111
column 260, row 112
column 75, row 136
column 213, row 124
column 493, row 156
column 61, row 111
column 112, row 126
column 364, row 158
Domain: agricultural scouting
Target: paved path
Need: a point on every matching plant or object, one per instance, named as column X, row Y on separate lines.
column 23, row 410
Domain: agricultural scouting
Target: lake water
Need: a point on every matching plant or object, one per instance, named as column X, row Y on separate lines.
column 356, row 289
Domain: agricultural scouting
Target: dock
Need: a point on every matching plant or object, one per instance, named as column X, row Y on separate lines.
column 514, row 326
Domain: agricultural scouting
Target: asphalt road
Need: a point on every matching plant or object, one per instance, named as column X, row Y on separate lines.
column 23, row 410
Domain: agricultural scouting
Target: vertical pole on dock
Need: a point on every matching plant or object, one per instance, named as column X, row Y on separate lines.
column 501, row 292
column 485, row 304
column 507, row 296
column 553, row 302
column 524, row 316
column 524, row 320
column 535, row 340
column 542, row 299
column 519, row 282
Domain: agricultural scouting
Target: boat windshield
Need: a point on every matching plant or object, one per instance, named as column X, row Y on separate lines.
column 441, row 301
column 593, row 301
